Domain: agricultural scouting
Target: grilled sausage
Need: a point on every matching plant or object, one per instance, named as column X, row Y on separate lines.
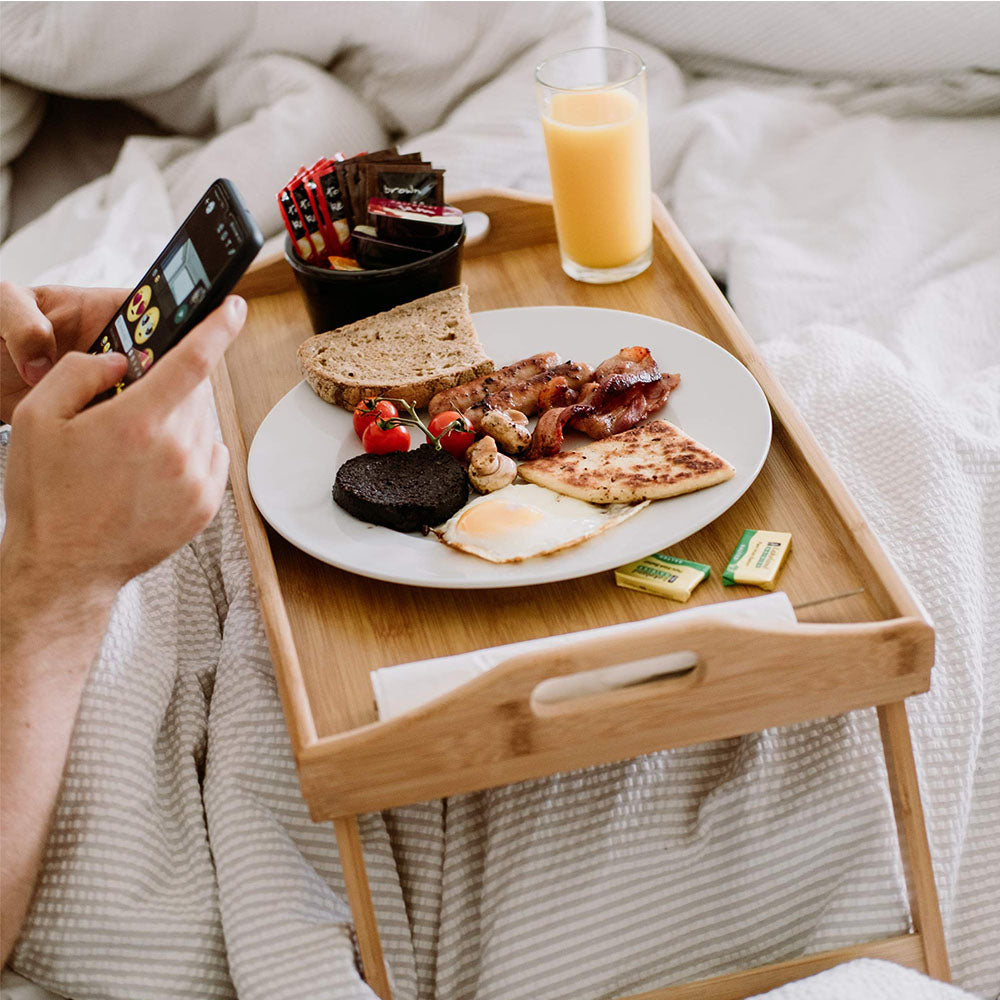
column 523, row 396
column 461, row 397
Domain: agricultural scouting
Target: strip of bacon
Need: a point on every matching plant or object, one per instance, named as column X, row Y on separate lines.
column 548, row 436
column 557, row 393
column 627, row 360
column 616, row 413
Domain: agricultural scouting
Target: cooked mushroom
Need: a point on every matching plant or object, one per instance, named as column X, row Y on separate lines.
column 509, row 428
column 488, row 469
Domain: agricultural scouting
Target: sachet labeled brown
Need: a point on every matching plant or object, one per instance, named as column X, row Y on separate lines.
column 420, row 183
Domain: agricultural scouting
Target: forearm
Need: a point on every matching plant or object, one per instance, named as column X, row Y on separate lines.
column 49, row 636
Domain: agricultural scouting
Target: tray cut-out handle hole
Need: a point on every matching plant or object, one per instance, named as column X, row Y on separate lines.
column 555, row 693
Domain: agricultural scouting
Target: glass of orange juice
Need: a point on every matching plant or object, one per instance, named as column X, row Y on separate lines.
column 593, row 108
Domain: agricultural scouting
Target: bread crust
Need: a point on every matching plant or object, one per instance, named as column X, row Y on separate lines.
column 420, row 393
column 440, row 323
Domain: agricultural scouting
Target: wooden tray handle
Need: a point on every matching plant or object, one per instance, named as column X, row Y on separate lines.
column 729, row 657
column 491, row 731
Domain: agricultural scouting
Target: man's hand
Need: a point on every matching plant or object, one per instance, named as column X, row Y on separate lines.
column 94, row 496
column 39, row 325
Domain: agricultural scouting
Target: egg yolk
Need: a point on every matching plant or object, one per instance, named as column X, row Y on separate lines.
column 497, row 518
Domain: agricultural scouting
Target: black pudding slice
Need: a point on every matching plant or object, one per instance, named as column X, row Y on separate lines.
column 405, row 490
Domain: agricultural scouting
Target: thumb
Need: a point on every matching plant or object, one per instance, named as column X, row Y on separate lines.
column 27, row 332
column 75, row 380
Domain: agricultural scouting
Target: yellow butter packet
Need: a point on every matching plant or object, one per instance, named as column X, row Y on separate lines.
column 663, row 575
column 757, row 559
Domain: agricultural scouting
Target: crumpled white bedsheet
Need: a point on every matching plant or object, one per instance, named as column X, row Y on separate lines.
column 857, row 230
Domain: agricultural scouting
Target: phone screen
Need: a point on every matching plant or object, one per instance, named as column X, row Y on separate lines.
column 160, row 307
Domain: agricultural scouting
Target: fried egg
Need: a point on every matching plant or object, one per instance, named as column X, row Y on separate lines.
column 523, row 521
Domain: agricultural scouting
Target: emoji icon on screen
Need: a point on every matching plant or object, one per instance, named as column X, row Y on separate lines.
column 138, row 302
column 145, row 358
column 146, row 325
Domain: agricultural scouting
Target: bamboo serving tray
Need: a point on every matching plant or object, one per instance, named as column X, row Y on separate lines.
column 328, row 628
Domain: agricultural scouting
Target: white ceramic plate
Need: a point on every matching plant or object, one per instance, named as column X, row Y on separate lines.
column 303, row 441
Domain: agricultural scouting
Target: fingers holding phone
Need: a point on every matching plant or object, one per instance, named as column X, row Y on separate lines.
column 125, row 467
column 112, row 489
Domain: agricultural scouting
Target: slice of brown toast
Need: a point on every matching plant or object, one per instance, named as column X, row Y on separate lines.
column 410, row 352
column 650, row 462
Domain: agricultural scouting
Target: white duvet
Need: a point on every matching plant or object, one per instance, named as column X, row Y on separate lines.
column 856, row 224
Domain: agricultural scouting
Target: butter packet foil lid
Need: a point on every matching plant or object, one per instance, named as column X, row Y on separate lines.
column 757, row 559
column 663, row 575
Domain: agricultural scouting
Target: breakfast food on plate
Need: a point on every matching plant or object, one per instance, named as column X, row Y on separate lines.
column 461, row 397
column 412, row 352
column 519, row 522
column 404, row 490
column 524, row 396
column 509, row 429
column 625, row 390
column 649, row 462
column 430, row 346
column 488, row 469
column 622, row 392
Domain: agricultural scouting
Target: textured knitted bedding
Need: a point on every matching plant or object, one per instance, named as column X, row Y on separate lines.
column 857, row 229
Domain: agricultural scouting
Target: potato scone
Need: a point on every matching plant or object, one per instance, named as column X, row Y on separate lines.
column 650, row 462
column 411, row 352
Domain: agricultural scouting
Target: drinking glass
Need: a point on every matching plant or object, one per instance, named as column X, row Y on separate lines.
column 593, row 107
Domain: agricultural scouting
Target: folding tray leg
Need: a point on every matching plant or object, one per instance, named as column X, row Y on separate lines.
column 912, row 834
column 360, row 898
column 925, row 948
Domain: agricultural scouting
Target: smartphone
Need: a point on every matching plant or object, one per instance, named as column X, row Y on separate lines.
column 197, row 269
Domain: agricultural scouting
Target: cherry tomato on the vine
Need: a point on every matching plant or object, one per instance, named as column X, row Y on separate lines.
column 381, row 437
column 369, row 410
column 456, row 440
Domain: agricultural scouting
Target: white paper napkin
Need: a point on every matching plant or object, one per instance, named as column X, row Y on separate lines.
column 400, row 688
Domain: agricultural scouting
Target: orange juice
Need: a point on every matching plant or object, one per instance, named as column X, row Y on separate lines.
column 598, row 148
